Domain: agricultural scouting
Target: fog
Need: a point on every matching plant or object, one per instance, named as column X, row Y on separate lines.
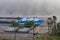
column 29, row 8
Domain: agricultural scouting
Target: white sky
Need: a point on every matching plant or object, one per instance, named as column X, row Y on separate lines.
column 26, row 8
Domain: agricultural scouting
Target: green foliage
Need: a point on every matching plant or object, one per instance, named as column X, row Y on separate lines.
column 29, row 24
column 26, row 24
column 58, row 25
column 54, row 37
column 15, row 24
column 58, row 29
column 49, row 38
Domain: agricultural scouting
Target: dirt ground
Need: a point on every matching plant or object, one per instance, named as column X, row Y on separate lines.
column 22, row 36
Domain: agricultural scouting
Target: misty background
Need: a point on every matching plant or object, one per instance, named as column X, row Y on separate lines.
column 29, row 8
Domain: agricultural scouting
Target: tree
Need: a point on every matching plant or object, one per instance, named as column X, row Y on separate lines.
column 54, row 17
column 15, row 24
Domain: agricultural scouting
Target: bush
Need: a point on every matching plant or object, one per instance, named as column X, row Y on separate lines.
column 15, row 24
column 29, row 24
column 26, row 24
column 58, row 25
column 58, row 29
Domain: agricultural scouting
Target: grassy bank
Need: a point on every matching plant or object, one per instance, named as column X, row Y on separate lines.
column 48, row 38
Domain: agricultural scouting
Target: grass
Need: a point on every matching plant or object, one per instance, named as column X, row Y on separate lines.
column 55, row 37
column 48, row 38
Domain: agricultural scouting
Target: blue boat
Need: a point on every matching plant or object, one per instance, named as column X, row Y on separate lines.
column 36, row 20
